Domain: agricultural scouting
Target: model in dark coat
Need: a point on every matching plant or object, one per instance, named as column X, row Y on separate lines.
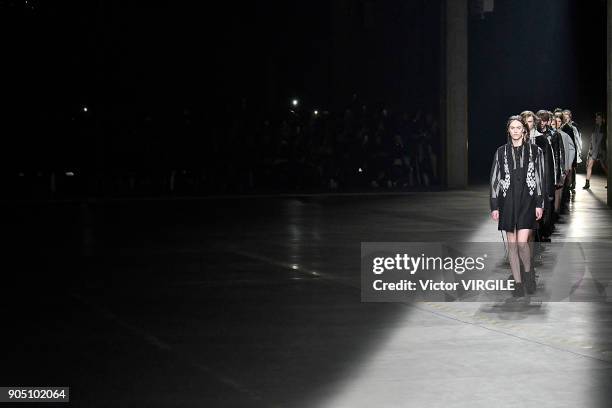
column 517, row 185
column 517, row 194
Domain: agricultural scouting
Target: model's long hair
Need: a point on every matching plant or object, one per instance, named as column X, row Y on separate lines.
column 536, row 120
column 543, row 115
column 571, row 117
column 512, row 119
column 525, row 114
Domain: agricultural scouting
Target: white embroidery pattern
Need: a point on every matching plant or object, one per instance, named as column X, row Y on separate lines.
column 505, row 183
column 531, row 182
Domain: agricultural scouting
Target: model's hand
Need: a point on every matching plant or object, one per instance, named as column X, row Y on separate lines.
column 539, row 213
column 495, row 215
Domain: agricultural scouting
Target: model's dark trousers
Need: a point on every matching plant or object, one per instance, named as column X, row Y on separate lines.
column 546, row 222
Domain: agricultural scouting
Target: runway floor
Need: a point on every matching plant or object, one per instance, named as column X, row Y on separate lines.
column 255, row 302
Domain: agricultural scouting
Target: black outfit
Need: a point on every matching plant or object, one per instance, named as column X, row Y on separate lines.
column 543, row 142
column 517, row 185
column 556, row 141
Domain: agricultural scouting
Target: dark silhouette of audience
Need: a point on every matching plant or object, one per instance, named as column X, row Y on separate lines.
column 241, row 151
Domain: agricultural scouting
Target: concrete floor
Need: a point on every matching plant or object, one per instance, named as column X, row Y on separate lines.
column 256, row 303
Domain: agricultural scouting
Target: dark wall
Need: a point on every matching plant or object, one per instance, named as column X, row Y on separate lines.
column 140, row 66
column 387, row 51
column 531, row 55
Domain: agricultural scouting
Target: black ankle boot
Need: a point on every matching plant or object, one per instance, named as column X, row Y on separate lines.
column 511, row 276
column 519, row 290
column 587, row 185
column 530, row 282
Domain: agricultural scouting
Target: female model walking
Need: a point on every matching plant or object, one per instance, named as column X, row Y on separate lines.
column 597, row 150
column 517, row 197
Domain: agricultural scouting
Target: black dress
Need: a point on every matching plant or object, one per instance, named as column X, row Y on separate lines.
column 517, row 185
column 559, row 150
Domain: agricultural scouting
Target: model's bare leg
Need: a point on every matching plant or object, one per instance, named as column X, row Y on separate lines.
column 589, row 169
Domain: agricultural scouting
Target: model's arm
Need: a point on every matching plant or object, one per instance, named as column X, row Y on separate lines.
column 578, row 140
column 572, row 152
column 540, row 177
column 549, row 176
column 494, row 183
column 561, row 153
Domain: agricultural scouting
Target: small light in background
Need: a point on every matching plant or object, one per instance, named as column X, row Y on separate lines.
column 316, row 112
column 295, row 267
column 85, row 109
column 294, row 102
column 69, row 173
column 360, row 170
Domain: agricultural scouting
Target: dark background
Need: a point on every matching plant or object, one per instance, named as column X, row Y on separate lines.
column 531, row 55
column 185, row 89
column 167, row 84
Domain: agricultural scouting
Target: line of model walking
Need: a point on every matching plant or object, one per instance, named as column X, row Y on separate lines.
column 532, row 179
